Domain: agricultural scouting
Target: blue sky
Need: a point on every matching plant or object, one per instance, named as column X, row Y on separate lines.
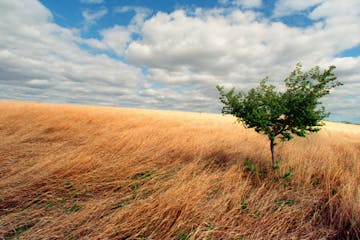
column 172, row 54
column 69, row 13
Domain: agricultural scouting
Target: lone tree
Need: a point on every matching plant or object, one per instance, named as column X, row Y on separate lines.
column 295, row 111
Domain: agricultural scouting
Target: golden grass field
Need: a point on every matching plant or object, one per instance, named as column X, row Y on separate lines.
column 82, row 172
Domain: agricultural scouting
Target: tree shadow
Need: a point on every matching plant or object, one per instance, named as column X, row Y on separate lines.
column 220, row 159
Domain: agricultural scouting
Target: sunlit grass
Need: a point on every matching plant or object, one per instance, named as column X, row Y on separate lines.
column 107, row 173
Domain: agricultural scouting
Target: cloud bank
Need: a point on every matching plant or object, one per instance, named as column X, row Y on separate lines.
column 174, row 60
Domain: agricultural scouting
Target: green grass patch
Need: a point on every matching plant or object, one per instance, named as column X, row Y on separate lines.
column 244, row 205
column 120, row 205
column 181, row 235
column 143, row 175
column 73, row 208
column 134, row 189
column 48, row 205
column 334, row 191
column 69, row 237
column 249, row 167
column 287, row 176
column 286, row 202
column 17, row 231
column 257, row 213
column 210, row 226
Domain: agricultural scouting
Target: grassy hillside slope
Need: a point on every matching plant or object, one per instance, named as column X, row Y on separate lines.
column 78, row 172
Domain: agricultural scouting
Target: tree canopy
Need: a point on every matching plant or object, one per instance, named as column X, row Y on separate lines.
column 283, row 114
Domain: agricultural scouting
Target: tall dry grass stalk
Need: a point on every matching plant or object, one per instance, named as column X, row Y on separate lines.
column 76, row 172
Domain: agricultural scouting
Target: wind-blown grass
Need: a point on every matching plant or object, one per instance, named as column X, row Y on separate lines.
column 70, row 172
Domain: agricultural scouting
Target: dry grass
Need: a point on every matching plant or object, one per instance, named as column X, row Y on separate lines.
column 76, row 172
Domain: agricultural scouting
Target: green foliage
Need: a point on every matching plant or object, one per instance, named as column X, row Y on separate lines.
column 244, row 205
column 73, row 208
column 49, row 204
column 121, row 205
column 69, row 237
column 143, row 175
column 287, row 176
column 249, row 166
column 295, row 111
column 134, row 189
column 210, row 226
column 276, row 166
column 181, row 235
column 19, row 230
column 286, row 202
column 334, row 191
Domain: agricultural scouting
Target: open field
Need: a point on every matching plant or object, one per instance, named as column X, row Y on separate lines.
column 81, row 172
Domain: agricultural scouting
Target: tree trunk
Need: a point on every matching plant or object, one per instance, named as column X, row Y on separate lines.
column 272, row 148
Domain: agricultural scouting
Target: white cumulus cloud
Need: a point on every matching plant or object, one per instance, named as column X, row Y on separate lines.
column 203, row 48
column 40, row 60
column 174, row 60
column 116, row 38
column 92, row 16
column 289, row 7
